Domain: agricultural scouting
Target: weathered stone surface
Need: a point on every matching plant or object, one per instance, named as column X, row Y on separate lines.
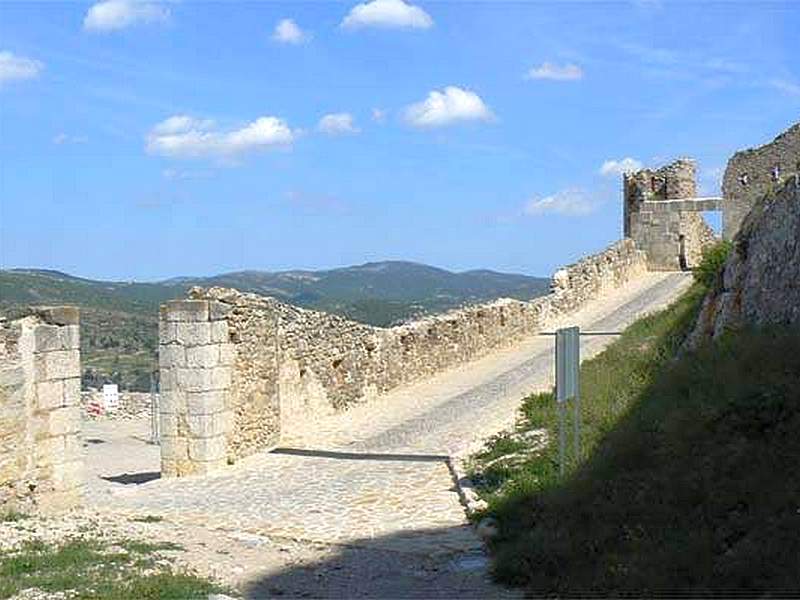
column 270, row 365
column 39, row 410
column 187, row 310
column 760, row 284
column 750, row 174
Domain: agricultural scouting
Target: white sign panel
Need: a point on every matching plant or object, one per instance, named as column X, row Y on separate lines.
column 568, row 362
column 110, row 397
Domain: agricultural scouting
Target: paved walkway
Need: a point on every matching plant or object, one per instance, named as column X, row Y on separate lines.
column 375, row 476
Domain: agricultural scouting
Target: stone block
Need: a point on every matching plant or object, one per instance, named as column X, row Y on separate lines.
column 167, row 332
column 62, row 421
column 207, row 467
column 193, row 333
column 68, row 475
column 220, row 378
column 219, row 332
column 202, row 356
column 187, row 310
column 11, row 375
column 205, row 403
column 206, row 426
column 49, row 395
column 207, row 449
column 58, row 315
column 227, row 354
column 218, row 310
column 168, row 424
column 174, row 448
column 72, row 391
column 49, row 451
column 171, row 355
column 194, row 379
column 172, row 402
column 56, row 337
column 58, row 364
column 168, row 379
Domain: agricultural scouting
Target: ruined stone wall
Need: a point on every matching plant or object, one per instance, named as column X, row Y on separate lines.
column 40, row 455
column 760, row 284
column 751, row 173
column 290, row 365
column 662, row 215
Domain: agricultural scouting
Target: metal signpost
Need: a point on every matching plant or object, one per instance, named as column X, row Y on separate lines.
column 568, row 360
column 155, row 433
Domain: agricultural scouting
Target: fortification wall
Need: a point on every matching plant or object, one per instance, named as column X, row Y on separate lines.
column 750, row 174
column 663, row 218
column 40, row 456
column 269, row 367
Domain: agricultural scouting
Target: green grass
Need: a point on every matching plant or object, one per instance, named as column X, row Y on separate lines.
column 129, row 570
column 148, row 519
column 10, row 516
column 690, row 477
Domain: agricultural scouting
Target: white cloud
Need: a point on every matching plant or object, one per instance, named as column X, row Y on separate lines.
column 379, row 115
column 288, row 32
column 337, row 124
column 181, row 136
column 63, row 138
column 569, row 203
column 568, row 72
column 13, row 67
column 787, row 87
column 449, row 106
column 111, row 15
column 620, row 167
column 387, row 14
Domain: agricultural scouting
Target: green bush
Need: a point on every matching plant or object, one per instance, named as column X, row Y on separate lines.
column 710, row 267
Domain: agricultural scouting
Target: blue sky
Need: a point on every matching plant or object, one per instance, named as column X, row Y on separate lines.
column 143, row 140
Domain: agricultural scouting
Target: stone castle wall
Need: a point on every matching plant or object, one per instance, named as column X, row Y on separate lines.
column 750, row 174
column 662, row 215
column 40, row 454
column 238, row 370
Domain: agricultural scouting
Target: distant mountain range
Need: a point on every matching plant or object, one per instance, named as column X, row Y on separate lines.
column 119, row 319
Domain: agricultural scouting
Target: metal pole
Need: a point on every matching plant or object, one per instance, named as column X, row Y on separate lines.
column 577, row 402
column 155, row 436
column 562, row 426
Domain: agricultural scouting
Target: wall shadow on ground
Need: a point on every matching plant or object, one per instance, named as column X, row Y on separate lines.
column 414, row 564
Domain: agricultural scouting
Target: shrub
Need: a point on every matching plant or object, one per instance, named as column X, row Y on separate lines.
column 711, row 266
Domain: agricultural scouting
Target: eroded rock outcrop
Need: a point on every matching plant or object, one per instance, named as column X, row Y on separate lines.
column 760, row 283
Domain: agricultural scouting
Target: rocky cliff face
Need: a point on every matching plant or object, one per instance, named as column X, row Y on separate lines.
column 760, row 284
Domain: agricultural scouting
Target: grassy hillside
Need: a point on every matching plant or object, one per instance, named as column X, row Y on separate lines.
column 689, row 481
column 119, row 320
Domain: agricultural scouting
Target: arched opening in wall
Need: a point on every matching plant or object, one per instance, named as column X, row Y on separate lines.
column 713, row 219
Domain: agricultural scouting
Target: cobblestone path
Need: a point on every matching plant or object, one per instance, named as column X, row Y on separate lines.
column 377, row 475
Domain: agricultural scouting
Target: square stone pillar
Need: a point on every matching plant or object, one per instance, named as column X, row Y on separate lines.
column 196, row 364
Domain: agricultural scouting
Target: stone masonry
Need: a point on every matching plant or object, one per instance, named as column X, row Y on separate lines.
column 195, row 360
column 750, row 174
column 662, row 215
column 239, row 370
column 40, row 455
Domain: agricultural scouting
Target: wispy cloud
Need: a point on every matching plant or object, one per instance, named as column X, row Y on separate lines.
column 387, row 14
column 113, row 15
column 553, row 72
column 18, row 68
column 64, row 138
column 379, row 115
column 182, row 136
column 620, row 167
column 573, row 202
column 787, row 87
column 449, row 106
column 338, row 124
column 288, row 32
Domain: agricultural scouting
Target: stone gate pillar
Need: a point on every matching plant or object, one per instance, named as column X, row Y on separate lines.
column 196, row 363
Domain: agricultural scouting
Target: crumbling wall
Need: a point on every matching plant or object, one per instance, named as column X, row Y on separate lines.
column 662, row 215
column 752, row 173
column 40, row 455
column 288, row 365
